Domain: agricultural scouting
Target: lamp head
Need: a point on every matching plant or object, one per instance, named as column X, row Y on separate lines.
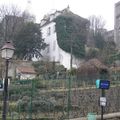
column 7, row 50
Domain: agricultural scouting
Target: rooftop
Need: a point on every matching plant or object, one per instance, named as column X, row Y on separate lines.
column 26, row 69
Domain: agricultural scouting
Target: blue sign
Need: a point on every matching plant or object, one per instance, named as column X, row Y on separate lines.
column 98, row 83
column 104, row 84
column 1, row 86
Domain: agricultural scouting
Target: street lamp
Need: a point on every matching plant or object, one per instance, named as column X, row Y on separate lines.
column 7, row 52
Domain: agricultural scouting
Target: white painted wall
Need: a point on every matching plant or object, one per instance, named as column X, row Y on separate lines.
column 27, row 76
column 55, row 53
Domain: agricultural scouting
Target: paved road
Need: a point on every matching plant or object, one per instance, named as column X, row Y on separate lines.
column 106, row 116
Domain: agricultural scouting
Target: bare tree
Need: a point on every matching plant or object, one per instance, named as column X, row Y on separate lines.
column 12, row 20
column 96, row 30
column 96, row 23
column 9, row 10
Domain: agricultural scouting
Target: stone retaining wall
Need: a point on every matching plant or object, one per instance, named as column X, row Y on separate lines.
column 86, row 100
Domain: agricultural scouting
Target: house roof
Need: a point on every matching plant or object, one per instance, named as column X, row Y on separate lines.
column 92, row 64
column 26, row 69
column 97, row 64
column 65, row 12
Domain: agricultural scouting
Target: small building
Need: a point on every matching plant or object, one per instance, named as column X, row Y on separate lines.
column 25, row 72
column 92, row 69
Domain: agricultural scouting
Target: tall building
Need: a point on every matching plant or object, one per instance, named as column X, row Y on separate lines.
column 53, row 52
column 117, row 24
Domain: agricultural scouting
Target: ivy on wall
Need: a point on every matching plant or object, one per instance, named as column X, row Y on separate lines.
column 72, row 32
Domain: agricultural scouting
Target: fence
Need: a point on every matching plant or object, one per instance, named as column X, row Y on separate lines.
column 58, row 99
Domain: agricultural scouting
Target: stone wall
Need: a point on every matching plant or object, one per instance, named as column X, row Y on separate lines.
column 88, row 100
column 85, row 101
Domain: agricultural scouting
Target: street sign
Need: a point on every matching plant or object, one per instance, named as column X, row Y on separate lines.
column 103, row 101
column 1, row 86
column 104, row 84
column 98, row 83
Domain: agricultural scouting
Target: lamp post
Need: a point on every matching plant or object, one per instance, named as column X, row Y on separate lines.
column 7, row 52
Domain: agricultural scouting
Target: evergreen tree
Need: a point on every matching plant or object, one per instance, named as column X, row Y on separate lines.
column 29, row 42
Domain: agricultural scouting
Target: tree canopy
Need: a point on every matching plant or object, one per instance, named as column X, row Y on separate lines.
column 29, row 42
column 97, row 31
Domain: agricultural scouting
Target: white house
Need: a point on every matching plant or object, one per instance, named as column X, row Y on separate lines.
column 25, row 72
column 53, row 52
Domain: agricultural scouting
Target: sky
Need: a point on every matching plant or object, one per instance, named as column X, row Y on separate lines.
column 83, row 8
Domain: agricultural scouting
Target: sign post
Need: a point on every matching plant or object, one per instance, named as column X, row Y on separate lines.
column 102, row 104
column 103, row 85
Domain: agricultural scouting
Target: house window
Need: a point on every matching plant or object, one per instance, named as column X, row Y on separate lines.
column 48, row 49
column 54, row 45
column 48, row 31
column 61, row 58
column 54, row 29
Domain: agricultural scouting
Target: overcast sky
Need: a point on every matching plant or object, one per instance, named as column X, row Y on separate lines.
column 83, row 8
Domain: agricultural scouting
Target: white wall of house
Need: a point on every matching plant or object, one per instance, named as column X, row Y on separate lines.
column 53, row 52
column 27, row 76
